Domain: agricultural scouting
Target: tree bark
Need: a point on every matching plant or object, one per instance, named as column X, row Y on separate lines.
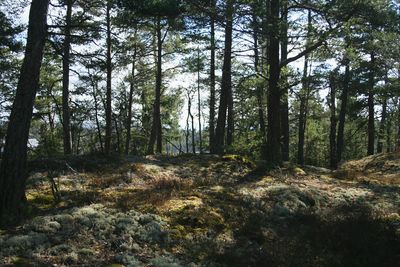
column 274, row 152
column 199, row 101
column 109, row 77
column 118, row 135
column 66, row 122
column 398, row 127
column 371, row 109
column 257, row 69
column 285, row 92
column 130, row 104
column 382, row 126
column 193, row 130
column 304, row 98
column 343, row 111
column 231, row 117
column 13, row 170
column 226, row 82
column 96, row 113
column 156, row 131
column 333, row 124
column 212, row 80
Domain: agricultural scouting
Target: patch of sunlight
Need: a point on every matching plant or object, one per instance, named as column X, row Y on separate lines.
column 217, row 189
column 299, row 171
column 325, row 177
column 180, row 204
column 43, row 200
column 266, row 180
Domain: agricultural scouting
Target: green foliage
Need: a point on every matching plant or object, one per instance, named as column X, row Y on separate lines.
column 156, row 8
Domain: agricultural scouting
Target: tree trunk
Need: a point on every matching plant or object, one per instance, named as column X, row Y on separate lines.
column 398, row 127
column 333, row 121
column 130, row 104
column 13, row 170
column 193, row 131
column 212, row 80
column 343, row 111
column 257, row 69
column 285, row 92
column 96, row 113
column 274, row 153
column 109, row 73
column 226, row 82
column 118, row 135
column 199, row 101
column 156, row 134
column 66, row 122
column 382, row 126
column 304, row 98
column 189, row 115
column 371, row 109
column 231, row 123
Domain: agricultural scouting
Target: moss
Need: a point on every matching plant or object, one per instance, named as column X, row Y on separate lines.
column 128, row 260
column 266, row 180
column 203, row 219
column 20, row 261
column 176, row 205
column 241, row 159
column 42, row 200
column 61, row 249
column 162, row 261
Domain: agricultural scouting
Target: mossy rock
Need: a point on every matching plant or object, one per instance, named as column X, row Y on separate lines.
column 299, row 171
column 203, row 218
column 241, row 159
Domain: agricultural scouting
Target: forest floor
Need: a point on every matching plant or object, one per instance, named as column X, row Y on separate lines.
column 208, row 211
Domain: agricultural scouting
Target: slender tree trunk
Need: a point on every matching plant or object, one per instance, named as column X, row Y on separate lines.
column 343, row 111
column 212, row 80
column 13, row 170
column 226, row 82
column 187, row 121
column 96, row 113
column 304, row 98
column 193, row 131
column 398, row 127
column 333, row 121
column 257, row 69
column 66, row 122
column 199, row 101
column 109, row 77
column 130, row 104
column 285, row 92
column 382, row 125
column 274, row 153
column 156, row 131
column 117, row 131
column 388, row 135
column 371, row 109
column 180, row 145
column 231, row 123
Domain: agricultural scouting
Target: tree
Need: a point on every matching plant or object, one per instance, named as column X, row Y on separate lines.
column 66, row 63
column 13, row 169
column 333, row 120
column 107, row 143
column 274, row 152
column 226, row 101
column 211, row 124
